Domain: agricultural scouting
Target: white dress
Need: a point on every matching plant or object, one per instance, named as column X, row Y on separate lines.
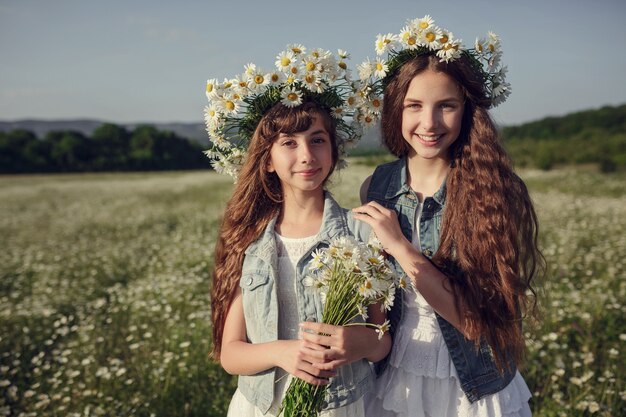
column 421, row 380
column 290, row 250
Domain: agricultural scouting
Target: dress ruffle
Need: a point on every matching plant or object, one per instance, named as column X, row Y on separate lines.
column 421, row 380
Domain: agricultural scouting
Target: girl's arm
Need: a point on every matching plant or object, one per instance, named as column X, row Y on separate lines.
column 347, row 344
column 428, row 280
column 239, row 357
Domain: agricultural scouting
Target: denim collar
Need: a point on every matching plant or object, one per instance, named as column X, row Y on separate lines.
column 398, row 183
column 333, row 224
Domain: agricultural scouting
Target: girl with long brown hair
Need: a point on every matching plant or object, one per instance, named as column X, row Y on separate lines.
column 278, row 215
column 459, row 222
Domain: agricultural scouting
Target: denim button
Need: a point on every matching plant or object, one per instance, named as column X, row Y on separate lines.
column 249, row 281
column 428, row 253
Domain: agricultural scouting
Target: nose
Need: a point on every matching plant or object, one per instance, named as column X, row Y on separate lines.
column 431, row 117
column 306, row 154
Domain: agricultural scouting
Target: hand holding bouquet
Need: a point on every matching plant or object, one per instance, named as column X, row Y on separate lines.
column 350, row 276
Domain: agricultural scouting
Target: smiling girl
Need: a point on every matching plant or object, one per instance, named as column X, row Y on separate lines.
column 460, row 223
column 278, row 216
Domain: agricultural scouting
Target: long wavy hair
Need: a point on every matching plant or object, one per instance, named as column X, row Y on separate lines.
column 256, row 199
column 488, row 247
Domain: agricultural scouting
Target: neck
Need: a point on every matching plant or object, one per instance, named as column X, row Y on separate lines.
column 301, row 213
column 425, row 176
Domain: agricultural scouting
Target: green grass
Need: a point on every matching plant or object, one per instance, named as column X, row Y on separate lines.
column 104, row 306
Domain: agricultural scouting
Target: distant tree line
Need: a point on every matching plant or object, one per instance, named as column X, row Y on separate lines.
column 109, row 148
column 592, row 136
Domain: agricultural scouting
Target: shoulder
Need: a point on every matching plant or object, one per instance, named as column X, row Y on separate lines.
column 390, row 174
column 364, row 187
column 381, row 172
column 357, row 228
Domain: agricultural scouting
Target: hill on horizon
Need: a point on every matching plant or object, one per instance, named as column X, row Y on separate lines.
column 607, row 119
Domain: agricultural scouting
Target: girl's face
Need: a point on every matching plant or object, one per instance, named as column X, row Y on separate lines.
column 432, row 115
column 304, row 159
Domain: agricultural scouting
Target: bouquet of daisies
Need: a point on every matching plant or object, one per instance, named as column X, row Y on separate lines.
column 349, row 275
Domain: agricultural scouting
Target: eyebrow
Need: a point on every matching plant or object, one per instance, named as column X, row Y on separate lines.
column 317, row 132
column 414, row 100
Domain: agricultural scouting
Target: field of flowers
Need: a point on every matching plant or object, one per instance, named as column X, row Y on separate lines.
column 104, row 307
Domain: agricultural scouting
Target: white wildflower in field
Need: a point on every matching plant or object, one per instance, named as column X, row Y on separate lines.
column 104, row 272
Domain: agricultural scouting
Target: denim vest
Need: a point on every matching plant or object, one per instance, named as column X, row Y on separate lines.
column 260, row 307
column 475, row 366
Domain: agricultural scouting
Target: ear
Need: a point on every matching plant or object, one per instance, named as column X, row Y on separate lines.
column 270, row 167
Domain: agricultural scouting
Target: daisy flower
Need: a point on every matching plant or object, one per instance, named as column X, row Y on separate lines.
column 422, row 24
column 362, row 310
column 408, row 38
column 384, row 43
column 275, row 78
column 211, row 88
column 380, row 68
column 366, row 289
column 430, row 37
column 293, row 71
column 352, row 101
column 285, row 60
column 480, row 45
column 368, row 120
column 296, row 48
column 493, row 42
column 240, row 84
column 319, row 53
column 291, row 97
column 249, row 69
column 312, row 83
column 220, row 141
column 258, row 80
column 211, row 115
column 366, row 69
column 338, row 112
column 375, row 105
column 388, row 300
column 310, row 64
column 343, row 54
column 450, row 51
column 228, row 104
column 382, row 329
column 319, row 258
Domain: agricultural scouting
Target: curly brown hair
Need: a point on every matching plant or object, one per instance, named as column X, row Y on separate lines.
column 489, row 248
column 256, row 199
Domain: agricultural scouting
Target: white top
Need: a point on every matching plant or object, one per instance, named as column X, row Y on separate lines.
column 290, row 250
column 421, row 380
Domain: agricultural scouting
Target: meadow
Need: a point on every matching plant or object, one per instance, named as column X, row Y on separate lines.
column 104, row 306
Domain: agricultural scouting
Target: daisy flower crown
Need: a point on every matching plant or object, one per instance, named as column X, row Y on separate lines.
column 421, row 37
column 237, row 105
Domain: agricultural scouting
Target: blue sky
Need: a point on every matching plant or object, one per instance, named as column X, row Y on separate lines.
column 148, row 61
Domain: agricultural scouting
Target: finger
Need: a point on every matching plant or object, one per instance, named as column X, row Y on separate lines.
column 316, row 328
column 316, row 343
column 310, row 378
column 322, row 340
column 330, row 366
column 315, row 372
column 369, row 210
column 308, row 345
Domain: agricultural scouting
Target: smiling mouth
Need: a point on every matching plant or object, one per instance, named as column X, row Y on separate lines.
column 309, row 172
column 429, row 138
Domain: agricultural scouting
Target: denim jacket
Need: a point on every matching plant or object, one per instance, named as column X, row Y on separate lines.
column 475, row 367
column 260, row 307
